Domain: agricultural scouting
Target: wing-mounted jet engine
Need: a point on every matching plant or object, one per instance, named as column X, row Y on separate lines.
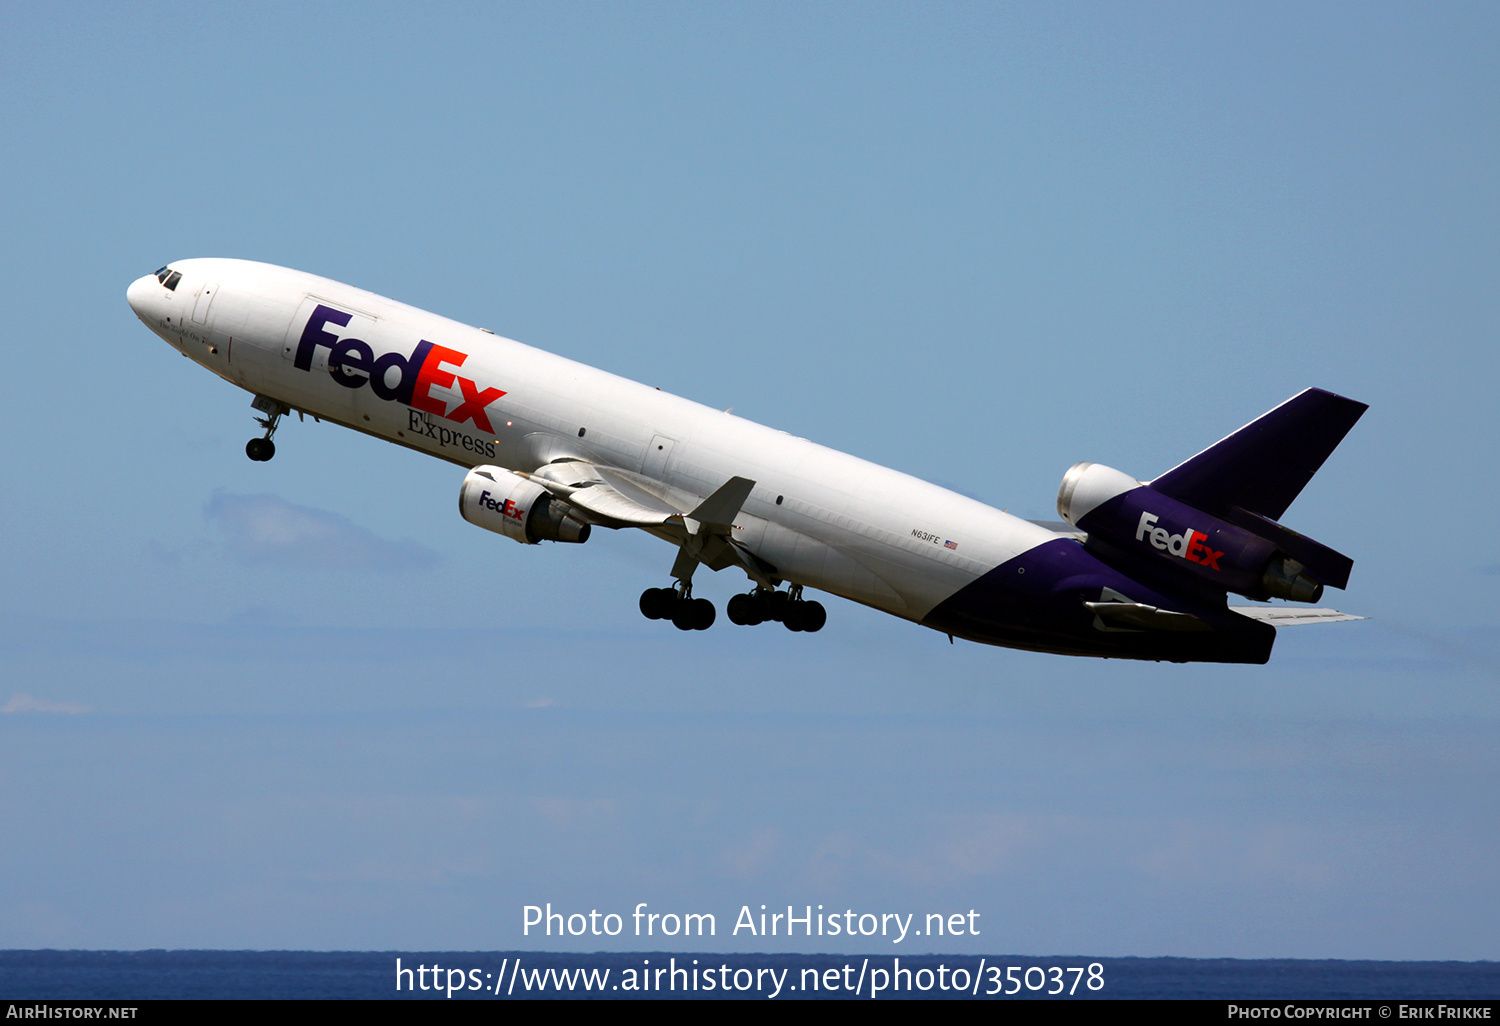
column 1210, row 524
column 522, row 510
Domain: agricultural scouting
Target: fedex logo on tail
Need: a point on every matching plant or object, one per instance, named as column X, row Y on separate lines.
column 1188, row 545
column 352, row 363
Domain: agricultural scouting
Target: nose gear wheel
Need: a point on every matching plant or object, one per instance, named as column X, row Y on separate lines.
column 262, row 449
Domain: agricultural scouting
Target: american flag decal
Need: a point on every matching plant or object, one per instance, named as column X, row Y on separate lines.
column 950, row 544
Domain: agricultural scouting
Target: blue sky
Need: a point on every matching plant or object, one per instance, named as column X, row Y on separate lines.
column 977, row 243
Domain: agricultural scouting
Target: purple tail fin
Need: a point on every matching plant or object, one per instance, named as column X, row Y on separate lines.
column 1251, row 477
column 1264, row 465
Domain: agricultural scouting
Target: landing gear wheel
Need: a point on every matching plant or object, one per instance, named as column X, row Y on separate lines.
column 693, row 615
column 746, row 610
column 777, row 605
column 805, row 616
column 658, row 603
column 706, row 614
column 814, row 616
column 260, row 449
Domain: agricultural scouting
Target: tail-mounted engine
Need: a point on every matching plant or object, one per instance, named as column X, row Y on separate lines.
column 1127, row 518
column 508, row 504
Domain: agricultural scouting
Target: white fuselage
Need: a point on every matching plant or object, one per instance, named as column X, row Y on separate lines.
column 824, row 519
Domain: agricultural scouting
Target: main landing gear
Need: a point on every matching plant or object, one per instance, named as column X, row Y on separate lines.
column 788, row 607
column 685, row 612
column 690, row 614
column 262, row 449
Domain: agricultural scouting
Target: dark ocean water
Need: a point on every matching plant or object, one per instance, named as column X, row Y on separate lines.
column 502, row 975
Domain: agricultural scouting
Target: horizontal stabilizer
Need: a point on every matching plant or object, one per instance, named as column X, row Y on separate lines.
column 1264, row 465
column 1289, row 616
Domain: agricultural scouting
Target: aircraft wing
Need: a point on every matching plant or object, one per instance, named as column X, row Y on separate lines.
column 1289, row 616
column 606, row 498
column 610, row 499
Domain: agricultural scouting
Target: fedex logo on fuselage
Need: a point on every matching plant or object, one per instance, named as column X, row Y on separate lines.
column 1188, row 545
column 352, row 363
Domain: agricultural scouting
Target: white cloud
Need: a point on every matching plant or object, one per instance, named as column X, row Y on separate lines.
column 23, row 703
column 268, row 530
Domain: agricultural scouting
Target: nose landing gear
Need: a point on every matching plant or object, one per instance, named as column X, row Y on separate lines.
column 262, row 449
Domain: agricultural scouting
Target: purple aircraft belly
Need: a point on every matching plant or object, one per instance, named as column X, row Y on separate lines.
column 1036, row 601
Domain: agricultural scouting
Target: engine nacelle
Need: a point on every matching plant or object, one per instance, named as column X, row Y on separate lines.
column 508, row 504
column 1126, row 516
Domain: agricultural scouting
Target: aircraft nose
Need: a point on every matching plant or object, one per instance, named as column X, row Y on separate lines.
column 140, row 294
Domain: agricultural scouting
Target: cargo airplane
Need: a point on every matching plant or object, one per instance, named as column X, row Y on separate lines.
column 552, row 449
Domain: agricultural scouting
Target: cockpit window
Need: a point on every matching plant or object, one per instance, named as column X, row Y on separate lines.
column 171, row 280
column 161, row 273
